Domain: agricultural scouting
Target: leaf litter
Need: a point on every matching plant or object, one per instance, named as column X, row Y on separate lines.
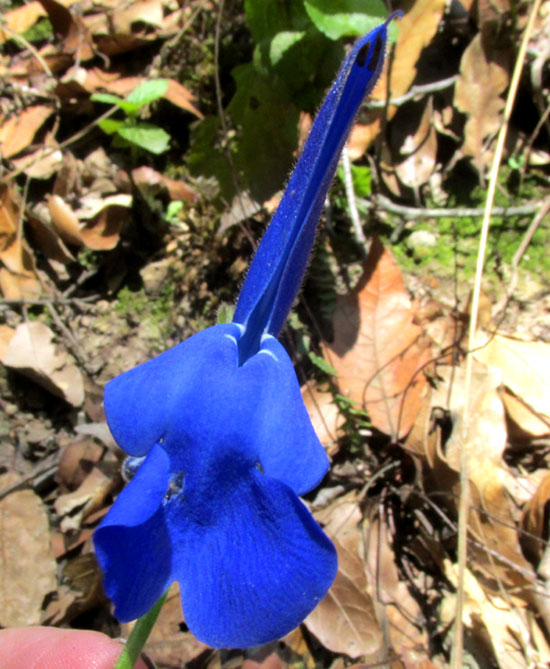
column 110, row 255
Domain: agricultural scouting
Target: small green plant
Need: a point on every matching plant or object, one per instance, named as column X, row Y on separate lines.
column 132, row 131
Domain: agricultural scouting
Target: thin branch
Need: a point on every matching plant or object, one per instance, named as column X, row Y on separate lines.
column 26, row 44
column 413, row 213
column 350, row 194
column 21, row 302
column 415, row 92
column 48, row 151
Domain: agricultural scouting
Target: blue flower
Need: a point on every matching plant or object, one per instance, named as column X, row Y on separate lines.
column 226, row 441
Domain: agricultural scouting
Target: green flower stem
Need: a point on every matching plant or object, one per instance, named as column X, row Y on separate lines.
column 138, row 636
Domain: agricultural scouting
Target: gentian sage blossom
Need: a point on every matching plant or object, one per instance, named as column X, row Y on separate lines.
column 226, row 443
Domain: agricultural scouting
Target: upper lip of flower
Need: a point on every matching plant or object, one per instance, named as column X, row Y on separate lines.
column 228, row 442
column 277, row 269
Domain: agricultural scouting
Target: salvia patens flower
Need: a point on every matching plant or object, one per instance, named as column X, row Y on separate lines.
column 226, row 443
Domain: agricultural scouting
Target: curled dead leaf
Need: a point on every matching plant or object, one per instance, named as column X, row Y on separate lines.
column 525, row 367
column 146, row 178
column 478, row 94
column 19, row 130
column 534, row 522
column 32, row 352
column 325, row 415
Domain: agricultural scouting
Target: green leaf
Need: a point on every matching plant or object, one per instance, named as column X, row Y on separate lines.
column 362, row 178
column 147, row 136
column 300, row 65
column 322, row 364
column 110, row 126
column 173, row 210
column 225, row 313
column 346, row 18
column 148, row 92
column 268, row 131
column 109, row 99
column 267, row 18
column 283, row 41
column 207, row 159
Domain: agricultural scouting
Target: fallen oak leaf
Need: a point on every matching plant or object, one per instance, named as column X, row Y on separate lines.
column 31, row 351
column 378, row 350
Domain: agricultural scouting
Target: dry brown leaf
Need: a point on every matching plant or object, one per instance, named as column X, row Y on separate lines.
column 344, row 621
column 142, row 11
column 181, row 97
column 6, row 335
column 64, row 220
column 103, row 231
column 89, row 497
column 106, row 217
column 111, row 82
column 19, row 287
column 76, row 37
column 534, row 522
column 32, row 352
column 341, row 521
column 11, row 248
column 272, row 661
column 390, row 593
column 148, row 179
column 77, row 461
column 478, row 94
column 416, row 30
column 492, row 520
column 377, row 349
column 325, row 415
column 524, row 421
column 18, row 131
column 27, row 565
column 41, row 164
column 21, row 19
column 420, row 150
column 17, row 278
column 525, row 367
column 48, row 241
column 498, row 627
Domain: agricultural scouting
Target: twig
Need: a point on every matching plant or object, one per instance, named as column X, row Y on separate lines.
column 529, row 145
column 458, row 636
column 78, row 135
column 416, row 91
column 21, row 302
column 537, row 220
column 21, row 485
column 350, row 194
column 26, row 44
column 414, row 213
